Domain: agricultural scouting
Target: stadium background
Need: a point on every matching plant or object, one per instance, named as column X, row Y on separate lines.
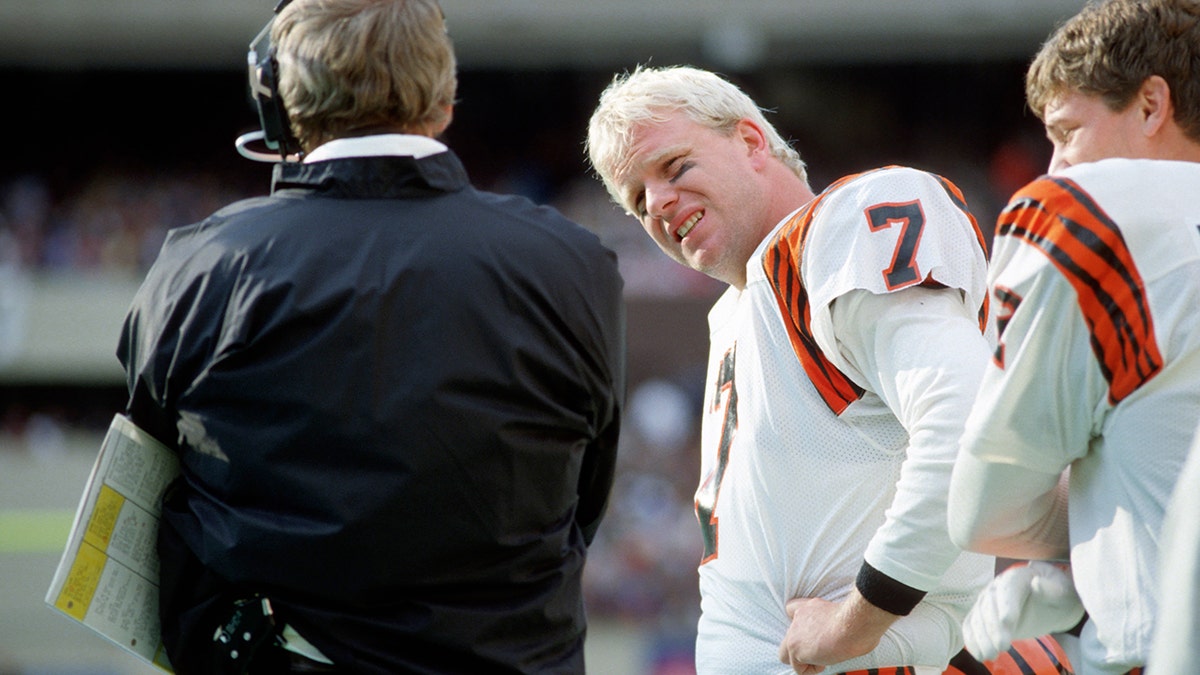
column 121, row 119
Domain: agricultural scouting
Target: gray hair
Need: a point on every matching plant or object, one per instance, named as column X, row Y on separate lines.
column 352, row 64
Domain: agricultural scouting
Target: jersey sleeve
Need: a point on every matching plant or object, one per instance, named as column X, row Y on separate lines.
column 1069, row 342
column 923, row 355
column 885, row 231
column 921, row 351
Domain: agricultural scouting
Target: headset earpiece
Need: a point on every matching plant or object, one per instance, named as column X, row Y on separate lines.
column 264, row 91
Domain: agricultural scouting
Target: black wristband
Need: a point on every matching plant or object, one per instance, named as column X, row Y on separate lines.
column 885, row 592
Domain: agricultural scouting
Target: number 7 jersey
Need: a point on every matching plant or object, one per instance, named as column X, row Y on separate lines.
column 802, row 462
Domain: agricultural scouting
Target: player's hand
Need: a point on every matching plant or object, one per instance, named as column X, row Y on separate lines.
column 823, row 632
column 1023, row 601
column 800, row 645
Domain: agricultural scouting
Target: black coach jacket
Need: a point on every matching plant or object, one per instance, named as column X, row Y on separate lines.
column 396, row 399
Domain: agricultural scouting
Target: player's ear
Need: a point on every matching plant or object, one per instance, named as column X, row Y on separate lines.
column 748, row 131
column 1154, row 104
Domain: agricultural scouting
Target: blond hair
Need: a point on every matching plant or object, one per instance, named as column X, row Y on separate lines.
column 649, row 95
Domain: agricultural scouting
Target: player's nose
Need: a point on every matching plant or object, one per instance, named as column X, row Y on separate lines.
column 661, row 196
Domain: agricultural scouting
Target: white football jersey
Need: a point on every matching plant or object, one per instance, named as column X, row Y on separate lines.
column 802, row 459
column 1096, row 283
column 1176, row 651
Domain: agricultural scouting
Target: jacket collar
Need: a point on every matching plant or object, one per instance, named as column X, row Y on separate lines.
column 381, row 177
column 377, row 145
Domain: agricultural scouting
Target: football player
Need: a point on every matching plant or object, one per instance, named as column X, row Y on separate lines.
column 844, row 357
column 1087, row 409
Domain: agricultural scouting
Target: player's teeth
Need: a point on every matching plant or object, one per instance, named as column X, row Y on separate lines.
column 687, row 227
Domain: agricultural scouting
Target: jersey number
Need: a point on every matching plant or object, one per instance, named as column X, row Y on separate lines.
column 1008, row 301
column 710, row 490
column 911, row 219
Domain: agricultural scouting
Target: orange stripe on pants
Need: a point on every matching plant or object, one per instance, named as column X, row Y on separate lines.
column 1035, row 656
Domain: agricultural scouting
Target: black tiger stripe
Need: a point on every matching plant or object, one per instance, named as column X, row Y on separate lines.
column 1022, row 664
column 1059, row 219
column 834, row 387
column 1059, row 666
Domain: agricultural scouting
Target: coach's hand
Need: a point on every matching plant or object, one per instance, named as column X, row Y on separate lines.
column 1023, row 601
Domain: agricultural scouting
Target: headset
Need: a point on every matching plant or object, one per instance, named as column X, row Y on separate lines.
column 276, row 131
